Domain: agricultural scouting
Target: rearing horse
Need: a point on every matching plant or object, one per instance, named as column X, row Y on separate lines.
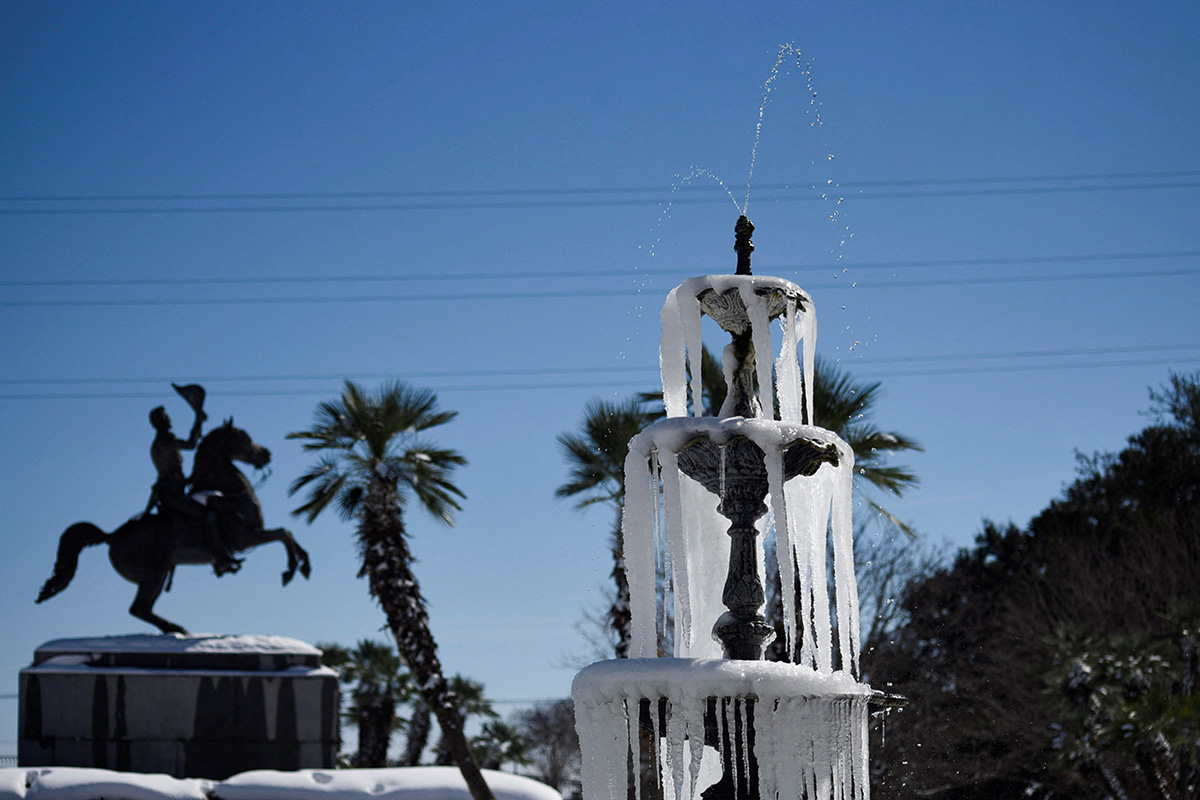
column 146, row 549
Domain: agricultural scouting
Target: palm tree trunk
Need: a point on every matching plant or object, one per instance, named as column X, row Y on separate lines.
column 620, row 617
column 376, row 718
column 387, row 565
column 418, row 734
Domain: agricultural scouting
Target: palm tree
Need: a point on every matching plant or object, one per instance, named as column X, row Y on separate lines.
column 378, row 683
column 471, row 702
column 844, row 406
column 597, row 460
column 499, row 743
column 372, row 459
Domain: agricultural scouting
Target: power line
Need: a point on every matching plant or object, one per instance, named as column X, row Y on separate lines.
column 320, row 376
column 564, row 295
column 461, row 374
column 1031, row 367
column 562, row 203
column 689, row 187
column 616, row 384
column 584, row 274
column 322, row 392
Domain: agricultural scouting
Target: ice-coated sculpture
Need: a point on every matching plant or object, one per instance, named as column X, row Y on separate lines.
column 711, row 719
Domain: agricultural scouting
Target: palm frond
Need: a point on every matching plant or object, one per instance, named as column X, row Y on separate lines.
column 368, row 435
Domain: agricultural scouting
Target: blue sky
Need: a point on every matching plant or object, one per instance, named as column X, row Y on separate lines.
column 1014, row 257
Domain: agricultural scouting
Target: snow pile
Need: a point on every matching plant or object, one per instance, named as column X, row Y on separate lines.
column 80, row 783
column 402, row 783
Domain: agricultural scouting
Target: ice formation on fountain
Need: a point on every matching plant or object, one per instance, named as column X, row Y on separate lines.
column 715, row 719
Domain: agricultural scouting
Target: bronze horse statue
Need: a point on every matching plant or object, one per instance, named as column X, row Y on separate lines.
column 146, row 549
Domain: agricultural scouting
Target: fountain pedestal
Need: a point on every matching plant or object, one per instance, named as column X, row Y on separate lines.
column 188, row 706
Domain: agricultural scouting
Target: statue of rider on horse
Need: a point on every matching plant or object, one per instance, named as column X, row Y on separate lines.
column 201, row 519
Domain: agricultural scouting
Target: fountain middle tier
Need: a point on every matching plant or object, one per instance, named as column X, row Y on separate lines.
column 690, row 481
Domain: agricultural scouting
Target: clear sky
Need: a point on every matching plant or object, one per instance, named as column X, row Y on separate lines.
column 470, row 197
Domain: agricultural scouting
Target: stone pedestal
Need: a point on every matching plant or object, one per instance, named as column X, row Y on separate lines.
column 193, row 706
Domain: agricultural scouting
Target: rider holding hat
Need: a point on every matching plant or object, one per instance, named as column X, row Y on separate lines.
column 170, row 490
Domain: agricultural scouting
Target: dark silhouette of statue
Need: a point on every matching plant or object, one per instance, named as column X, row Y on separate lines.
column 177, row 528
column 170, row 494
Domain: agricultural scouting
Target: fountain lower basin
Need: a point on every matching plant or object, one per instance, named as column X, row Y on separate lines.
column 718, row 727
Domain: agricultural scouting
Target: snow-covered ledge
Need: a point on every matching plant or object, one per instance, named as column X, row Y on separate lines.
column 400, row 783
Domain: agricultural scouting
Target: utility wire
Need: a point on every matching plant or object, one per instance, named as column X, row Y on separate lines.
column 689, row 187
column 617, row 384
column 461, row 374
column 565, row 295
column 585, row 274
column 562, row 203
column 479, row 373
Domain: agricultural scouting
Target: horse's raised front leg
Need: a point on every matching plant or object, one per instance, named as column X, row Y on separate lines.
column 143, row 604
column 297, row 555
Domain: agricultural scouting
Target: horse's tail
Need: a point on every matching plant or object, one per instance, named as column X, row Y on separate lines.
column 73, row 540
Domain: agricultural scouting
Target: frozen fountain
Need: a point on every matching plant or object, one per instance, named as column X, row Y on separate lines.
column 713, row 720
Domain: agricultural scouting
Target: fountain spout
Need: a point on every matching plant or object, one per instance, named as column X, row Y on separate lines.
column 742, row 245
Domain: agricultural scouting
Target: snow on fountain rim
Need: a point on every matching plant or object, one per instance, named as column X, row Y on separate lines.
column 721, row 284
column 635, row 678
column 675, row 433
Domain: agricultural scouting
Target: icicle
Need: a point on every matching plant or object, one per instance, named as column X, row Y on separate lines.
column 783, row 547
column 861, row 782
column 819, row 504
column 787, row 368
column 658, row 752
column 689, row 315
column 673, row 521
column 671, row 356
column 676, row 734
column 766, row 748
column 637, row 530
column 744, row 753
column 662, row 561
column 843, row 563
column 707, row 557
column 822, row 751
column 809, row 334
column 760, row 328
column 635, row 742
column 693, row 709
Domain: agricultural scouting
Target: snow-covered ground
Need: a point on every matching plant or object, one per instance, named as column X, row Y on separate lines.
column 401, row 783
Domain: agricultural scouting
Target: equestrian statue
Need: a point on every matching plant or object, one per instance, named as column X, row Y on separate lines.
column 202, row 519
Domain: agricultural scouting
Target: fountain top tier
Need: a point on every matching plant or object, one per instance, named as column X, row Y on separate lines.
column 718, row 473
column 743, row 305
